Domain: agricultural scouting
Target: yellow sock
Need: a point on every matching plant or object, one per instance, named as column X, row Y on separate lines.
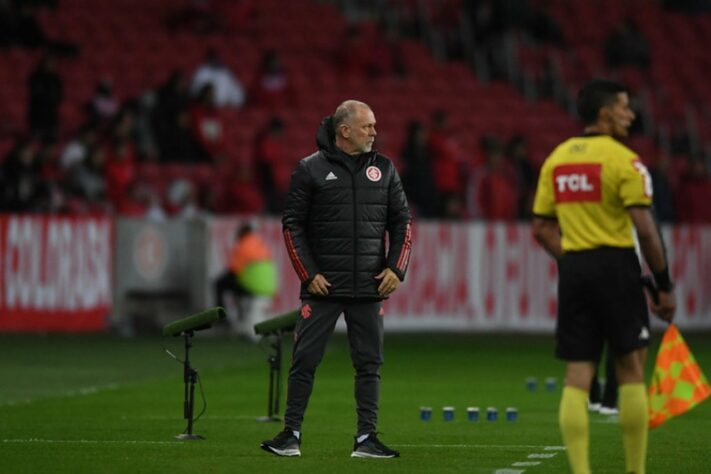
column 573, row 419
column 633, row 420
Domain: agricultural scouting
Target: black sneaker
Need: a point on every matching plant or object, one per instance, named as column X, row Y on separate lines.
column 283, row 444
column 371, row 447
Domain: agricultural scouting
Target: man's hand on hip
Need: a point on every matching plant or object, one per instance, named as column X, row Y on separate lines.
column 389, row 282
column 319, row 286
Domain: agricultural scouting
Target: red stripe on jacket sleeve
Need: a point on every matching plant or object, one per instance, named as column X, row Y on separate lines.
column 294, row 256
column 405, row 251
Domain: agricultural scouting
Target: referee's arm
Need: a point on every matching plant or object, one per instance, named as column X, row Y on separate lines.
column 547, row 232
column 650, row 241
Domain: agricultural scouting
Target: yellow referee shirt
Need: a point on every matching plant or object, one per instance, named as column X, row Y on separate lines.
column 588, row 183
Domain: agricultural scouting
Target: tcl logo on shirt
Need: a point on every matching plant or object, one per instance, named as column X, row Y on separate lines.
column 577, row 183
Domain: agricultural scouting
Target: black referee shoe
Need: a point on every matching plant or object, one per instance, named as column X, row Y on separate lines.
column 371, row 447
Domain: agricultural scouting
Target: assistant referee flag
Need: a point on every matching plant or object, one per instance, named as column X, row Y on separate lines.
column 678, row 384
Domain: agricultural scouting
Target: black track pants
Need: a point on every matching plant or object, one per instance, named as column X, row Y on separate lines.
column 365, row 334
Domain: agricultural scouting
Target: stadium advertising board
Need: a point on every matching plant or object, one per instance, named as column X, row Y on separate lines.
column 55, row 273
column 482, row 277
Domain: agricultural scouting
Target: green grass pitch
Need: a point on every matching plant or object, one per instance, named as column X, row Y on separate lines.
column 100, row 404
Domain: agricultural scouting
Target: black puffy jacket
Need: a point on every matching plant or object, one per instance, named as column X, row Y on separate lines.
column 337, row 214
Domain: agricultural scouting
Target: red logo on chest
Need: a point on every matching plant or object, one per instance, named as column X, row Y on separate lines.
column 577, row 183
column 373, row 173
column 306, row 311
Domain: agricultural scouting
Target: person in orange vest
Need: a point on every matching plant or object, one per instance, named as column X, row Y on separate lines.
column 250, row 278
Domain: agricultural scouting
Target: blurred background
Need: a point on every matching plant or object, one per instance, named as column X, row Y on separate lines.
column 136, row 136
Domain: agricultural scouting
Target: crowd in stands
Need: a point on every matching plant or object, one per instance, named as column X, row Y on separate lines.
column 103, row 166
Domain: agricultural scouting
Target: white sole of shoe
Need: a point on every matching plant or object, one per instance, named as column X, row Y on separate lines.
column 282, row 452
column 609, row 411
column 358, row 454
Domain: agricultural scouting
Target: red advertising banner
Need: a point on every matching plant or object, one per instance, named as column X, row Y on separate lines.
column 485, row 277
column 55, row 273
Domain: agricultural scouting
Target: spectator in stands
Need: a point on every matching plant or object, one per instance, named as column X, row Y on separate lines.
column 448, row 165
column 142, row 201
column 45, row 96
column 387, row 57
column 524, row 174
column 228, row 90
column 48, row 158
column 123, row 128
column 497, row 192
column 86, row 180
column 170, row 122
column 121, row 170
column 28, row 33
column 445, row 22
column 251, row 274
column 103, row 106
column 78, row 148
column 483, row 21
column 236, row 192
column 183, row 198
column 52, row 173
column 489, row 21
column 270, row 155
column 19, row 27
column 271, row 86
column 22, row 187
column 353, row 55
column 543, row 28
column 140, row 110
column 207, row 126
column 627, row 46
column 418, row 178
column 197, row 16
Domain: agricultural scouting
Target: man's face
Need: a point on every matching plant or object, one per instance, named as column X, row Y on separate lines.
column 360, row 131
column 620, row 116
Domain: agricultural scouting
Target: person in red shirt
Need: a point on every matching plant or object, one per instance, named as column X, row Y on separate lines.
column 449, row 170
column 271, row 88
column 498, row 190
column 272, row 165
column 120, row 172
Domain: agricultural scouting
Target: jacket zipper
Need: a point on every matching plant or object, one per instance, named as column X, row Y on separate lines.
column 355, row 235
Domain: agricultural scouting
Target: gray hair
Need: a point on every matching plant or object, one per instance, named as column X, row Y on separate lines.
column 347, row 110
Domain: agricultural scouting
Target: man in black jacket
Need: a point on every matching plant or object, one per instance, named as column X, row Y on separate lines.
column 342, row 202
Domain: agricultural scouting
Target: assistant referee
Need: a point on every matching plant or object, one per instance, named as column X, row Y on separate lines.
column 592, row 193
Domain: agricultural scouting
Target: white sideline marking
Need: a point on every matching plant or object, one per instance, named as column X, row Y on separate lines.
column 531, row 456
column 85, row 441
column 494, row 446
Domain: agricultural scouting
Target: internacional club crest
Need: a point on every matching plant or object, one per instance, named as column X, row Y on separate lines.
column 373, row 173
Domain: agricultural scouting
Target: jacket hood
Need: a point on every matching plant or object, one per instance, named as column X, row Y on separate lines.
column 326, row 136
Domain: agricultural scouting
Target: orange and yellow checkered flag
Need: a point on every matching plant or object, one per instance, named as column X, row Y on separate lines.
column 678, row 384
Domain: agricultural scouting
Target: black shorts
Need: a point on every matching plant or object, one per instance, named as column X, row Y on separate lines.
column 600, row 299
